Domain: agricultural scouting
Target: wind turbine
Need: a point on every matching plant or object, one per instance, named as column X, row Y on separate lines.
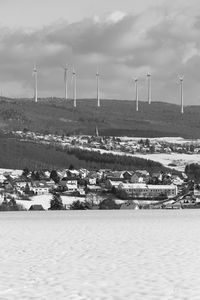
column 65, row 80
column 74, row 85
column 136, row 93
column 181, row 93
column 35, row 73
column 98, row 96
column 149, row 87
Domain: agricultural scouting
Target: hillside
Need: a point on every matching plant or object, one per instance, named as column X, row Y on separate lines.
column 17, row 154
column 52, row 115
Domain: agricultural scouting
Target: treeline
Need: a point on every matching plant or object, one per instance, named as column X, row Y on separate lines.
column 193, row 172
column 116, row 162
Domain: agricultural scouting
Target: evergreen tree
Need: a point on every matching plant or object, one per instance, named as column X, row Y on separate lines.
column 25, row 172
column 4, row 204
column 56, row 203
column 27, row 189
column 78, row 205
column 147, row 142
column 71, row 167
column 54, row 176
column 13, row 204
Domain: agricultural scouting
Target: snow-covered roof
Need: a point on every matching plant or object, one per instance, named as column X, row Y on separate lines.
column 133, row 185
column 161, row 187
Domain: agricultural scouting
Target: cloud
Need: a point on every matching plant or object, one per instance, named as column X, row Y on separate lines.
column 116, row 17
column 162, row 40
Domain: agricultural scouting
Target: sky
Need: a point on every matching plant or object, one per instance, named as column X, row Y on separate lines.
column 125, row 39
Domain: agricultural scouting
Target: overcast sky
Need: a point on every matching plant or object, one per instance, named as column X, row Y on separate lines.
column 126, row 38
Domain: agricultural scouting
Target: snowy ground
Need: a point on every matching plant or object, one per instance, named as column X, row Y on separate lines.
column 100, row 255
column 173, row 140
column 44, row 200
column 180, row 160
column 14, row 172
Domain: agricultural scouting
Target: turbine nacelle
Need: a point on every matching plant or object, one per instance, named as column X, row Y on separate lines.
column 34, row 69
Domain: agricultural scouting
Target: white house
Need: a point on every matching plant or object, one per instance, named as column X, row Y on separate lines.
column 142, row 190
column 92, row 181
column 39, row 188
column 22, row 184
column 72, row 185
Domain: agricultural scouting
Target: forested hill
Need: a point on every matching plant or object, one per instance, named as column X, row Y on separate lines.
column 17, row 154
column 114, row 117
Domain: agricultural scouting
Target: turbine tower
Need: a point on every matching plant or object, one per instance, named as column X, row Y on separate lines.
column 98, row 96
column 181, row 93
column 149, row 87
column 35, row 83
column 136, row 93
column 65, row 79
column 74, row 85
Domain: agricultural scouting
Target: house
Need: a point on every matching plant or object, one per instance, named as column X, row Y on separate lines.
column 114, row 175
column 127, row 175
column 177, row 180
column 39, row 188
column 140, row 176
column 142, row 190
column 72, row 185
column 136, row 179
column 72, row 173
column 129, row 205
column 176, row 205
column 92, row 174
column 50, row 183
column 36, row 207
column 196, row 193
column 47, row 174
column 22, row 184
column 92, row 181
column 118, row 174
column 167, row 150
column 61, row 173
column 8, row 185
column 81, row 192
column 83, row 173
column 113, row 183
column 142, row 173
column 155, row 178
column 94, row 188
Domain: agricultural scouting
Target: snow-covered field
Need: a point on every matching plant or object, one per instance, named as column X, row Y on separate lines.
column 11, row 171
column 180, row 160
column 100, row 255
column 44, row 200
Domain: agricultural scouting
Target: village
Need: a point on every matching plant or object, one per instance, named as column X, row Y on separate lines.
column 120, row 144
column 97, row 189
column 82, row 188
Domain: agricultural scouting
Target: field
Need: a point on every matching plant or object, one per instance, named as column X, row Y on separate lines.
column 101, row 255
column 118, row 118
column 178, row 161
